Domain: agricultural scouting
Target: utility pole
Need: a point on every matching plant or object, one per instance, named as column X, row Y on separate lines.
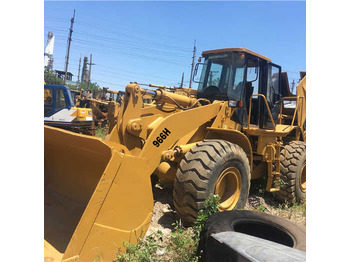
column 182, row 80
column 293, row 83
column 90, row 70
column 194, row 55
column 69, row 40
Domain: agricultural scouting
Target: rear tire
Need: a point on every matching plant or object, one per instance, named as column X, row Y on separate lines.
column 293, row 173
column 211, row 167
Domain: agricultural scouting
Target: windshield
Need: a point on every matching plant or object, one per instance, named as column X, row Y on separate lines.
column 223, row 73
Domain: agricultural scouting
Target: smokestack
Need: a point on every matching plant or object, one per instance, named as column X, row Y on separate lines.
column 85, row 72
column 48, row 54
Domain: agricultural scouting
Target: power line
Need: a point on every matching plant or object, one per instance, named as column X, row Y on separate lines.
column 136, row 51
column 127, row 35
column 128, row 42
column 134, row 55
column 114, row 44
column 141, row 41
column 156, row 59
column 132, row 28
column 110, row 50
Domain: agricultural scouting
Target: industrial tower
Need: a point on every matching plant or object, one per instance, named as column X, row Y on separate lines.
column 48, row 55
column 85, row 72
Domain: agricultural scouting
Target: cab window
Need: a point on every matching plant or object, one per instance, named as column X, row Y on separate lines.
column 273, row 95
column 47, row 97
column 235, row 92
column 273, row 84
column 253, row 74
column 60, row 99
column 215, row 74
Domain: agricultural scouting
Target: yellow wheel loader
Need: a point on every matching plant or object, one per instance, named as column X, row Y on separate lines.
column 104, row 104
column 244, row 124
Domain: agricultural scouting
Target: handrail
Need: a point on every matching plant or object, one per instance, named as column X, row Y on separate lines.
column 267, row 106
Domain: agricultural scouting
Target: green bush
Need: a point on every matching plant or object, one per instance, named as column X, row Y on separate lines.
column 181, row 246
column 144, row 251
column 211, row 207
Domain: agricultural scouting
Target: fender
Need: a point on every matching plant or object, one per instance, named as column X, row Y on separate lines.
column 235, row 137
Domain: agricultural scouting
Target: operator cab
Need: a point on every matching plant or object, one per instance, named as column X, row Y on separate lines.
column 57, row 98
column 234, row 75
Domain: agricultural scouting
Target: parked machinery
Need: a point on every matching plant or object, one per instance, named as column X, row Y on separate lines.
column 61, row 111
column 104, row 103
column 235, row 130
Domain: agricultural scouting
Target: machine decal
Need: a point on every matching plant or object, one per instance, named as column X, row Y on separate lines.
column 163, row 135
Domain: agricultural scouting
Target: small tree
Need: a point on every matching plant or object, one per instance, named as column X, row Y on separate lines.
column 84, row 86
column 51, row 79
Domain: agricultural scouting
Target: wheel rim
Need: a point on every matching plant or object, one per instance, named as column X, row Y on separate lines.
column 228, row 188
column 302, row 180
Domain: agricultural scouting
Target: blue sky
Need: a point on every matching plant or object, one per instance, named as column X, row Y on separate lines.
column 152, row 42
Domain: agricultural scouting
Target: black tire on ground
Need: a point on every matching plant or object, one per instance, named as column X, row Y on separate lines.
column 198, row 173
column 293, row 164
column 269, row 227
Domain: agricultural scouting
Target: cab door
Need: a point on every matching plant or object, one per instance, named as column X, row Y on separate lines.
column 48, row 102
column 252, row 86
column 273, row 94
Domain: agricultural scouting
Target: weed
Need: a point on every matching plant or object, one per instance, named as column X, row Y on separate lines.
column 261, row 208
column 258, row 186
column 182, row 245
column 299, row 208
column 279, row 183
column 295, row 211
column 101, row 132
column 183, row 242
column 145, row 250
column 211, row 207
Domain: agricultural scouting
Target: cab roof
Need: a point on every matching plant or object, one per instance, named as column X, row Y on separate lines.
column 235, row 49
column 55, row 86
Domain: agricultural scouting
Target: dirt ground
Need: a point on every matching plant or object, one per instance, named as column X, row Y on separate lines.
column 164, row 212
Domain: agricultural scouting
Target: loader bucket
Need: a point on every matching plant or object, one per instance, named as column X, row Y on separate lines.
column 97, row 195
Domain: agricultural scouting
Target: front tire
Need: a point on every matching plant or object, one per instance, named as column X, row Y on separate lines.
column 211, row 167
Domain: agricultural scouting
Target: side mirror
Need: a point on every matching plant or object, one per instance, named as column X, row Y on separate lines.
column 195, row 72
